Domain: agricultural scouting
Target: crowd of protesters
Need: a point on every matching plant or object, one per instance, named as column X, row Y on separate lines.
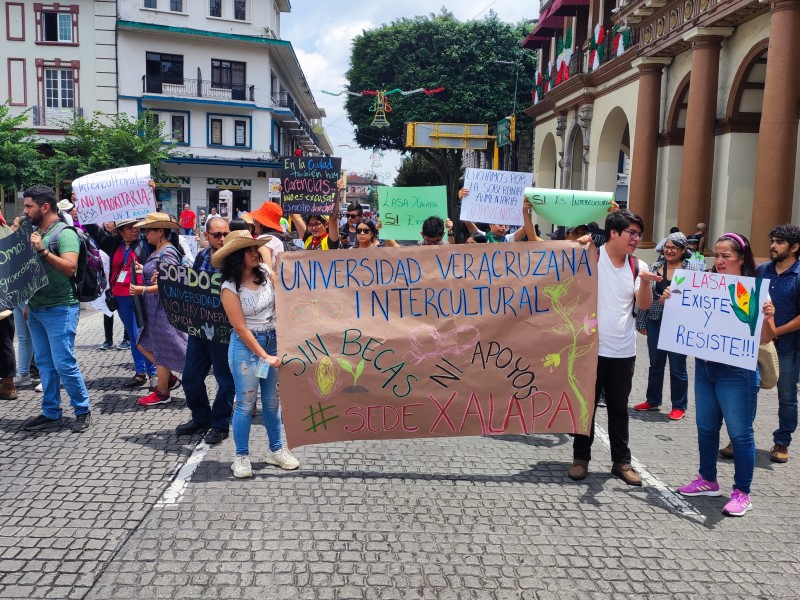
column 631, row 298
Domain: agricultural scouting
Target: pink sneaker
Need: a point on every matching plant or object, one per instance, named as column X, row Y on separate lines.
column 700, row 487
column 738, row 504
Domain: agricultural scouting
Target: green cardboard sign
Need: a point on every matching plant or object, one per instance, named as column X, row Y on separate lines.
column 403, row 209
column 569, row 207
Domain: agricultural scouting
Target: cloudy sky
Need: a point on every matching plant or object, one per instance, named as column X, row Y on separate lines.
column 321, row 32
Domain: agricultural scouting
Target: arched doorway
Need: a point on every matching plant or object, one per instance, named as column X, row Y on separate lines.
column 613, row 155
column 576, row 163
column 547, row 170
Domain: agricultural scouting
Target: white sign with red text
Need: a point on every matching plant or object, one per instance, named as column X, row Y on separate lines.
column 114, row 195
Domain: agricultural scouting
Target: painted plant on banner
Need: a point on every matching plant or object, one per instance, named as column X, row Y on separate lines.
column 577, row 346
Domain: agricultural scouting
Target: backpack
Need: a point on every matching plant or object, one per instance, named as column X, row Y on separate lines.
column 288, row 241
column 90, row 279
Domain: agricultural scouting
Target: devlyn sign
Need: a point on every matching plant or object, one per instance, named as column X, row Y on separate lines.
column 225, row 183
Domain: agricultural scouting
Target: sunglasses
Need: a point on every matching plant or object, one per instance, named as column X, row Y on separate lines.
column 353, row 215
column 363, row 231
column 219, row 234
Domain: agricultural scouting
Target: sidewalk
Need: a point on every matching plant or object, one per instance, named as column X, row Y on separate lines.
column 87, row 516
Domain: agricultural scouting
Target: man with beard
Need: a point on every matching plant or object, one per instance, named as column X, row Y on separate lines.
column 53, row 313
column 202, row 354
column 783, row 271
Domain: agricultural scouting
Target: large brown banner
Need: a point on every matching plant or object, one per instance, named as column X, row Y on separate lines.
column 437, row 341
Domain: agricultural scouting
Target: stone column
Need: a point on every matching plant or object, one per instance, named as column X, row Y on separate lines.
column 697, row 168
column 642, row 190
column 777, row 134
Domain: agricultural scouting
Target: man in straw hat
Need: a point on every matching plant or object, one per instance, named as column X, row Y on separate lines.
column 53, row 313
column 202, row 354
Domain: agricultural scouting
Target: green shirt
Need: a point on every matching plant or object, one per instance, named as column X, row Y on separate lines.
column 59, row 291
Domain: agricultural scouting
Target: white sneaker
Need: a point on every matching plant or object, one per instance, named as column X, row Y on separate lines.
column 23, row 381
column 39, row 388
column 283, row 459
column 241, row 467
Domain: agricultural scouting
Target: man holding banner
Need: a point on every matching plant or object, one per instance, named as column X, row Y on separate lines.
column 619, row 276
column 202, row 354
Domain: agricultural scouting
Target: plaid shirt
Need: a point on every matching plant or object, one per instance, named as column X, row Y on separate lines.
column 656, row 309
column 202, row 262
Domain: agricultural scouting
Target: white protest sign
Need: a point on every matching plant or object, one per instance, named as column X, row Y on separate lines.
column 715, row 317
column 100, row 302
column 114, row 195
column 494, row 196
column 189, row 245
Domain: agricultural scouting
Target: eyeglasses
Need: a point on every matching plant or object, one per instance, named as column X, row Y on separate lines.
column 635, row 235
column 671, row 248
column 316, row 224
column 353, row 215
column 219, row 234
column 426, row 241
column 363, row 231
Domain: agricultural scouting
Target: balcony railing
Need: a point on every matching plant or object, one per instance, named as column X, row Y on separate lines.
column 198, row 88
column 44, row 116
column 285, row 100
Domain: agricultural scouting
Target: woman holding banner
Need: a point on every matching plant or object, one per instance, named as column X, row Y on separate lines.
column 728, row 392
column 161, row 344
column 649, row 322
column 249, row 301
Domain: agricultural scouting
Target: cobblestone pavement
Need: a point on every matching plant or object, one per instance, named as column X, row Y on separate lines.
column 87, row 516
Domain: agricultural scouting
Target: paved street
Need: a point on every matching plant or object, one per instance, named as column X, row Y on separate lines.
column 98, row 515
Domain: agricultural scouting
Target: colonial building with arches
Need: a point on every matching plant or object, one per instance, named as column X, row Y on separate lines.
column 688, row 109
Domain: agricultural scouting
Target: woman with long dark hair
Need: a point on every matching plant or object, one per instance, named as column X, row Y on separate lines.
column 159, row 342
column 729, row 393
column 249, row 301
column 366, row 234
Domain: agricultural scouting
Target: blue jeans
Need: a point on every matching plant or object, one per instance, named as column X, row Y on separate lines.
column 200, row 356
column 53, row 332
column 722, row 391
column 789, row 363
column 678, row 377
column 125, row 312
column 24, row 344
column 243, row 365
column 187, row 231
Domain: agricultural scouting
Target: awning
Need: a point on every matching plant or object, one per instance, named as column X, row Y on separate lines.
column 534, row 41
column 567, row 8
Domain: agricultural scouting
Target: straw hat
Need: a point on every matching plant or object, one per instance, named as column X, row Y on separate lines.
column 157, row 221
column 236, row 240
column 269, row 215
column 122, row 222
column 248, row 218
column 65, row 205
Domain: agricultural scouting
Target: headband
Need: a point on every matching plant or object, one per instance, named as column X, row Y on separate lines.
column 736, row 238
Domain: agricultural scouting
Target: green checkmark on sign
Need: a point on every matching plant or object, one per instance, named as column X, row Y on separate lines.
column 679, row 280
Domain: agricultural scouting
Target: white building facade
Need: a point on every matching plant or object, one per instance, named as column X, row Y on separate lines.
column 227, row 89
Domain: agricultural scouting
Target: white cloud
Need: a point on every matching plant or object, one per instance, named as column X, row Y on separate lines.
column 322, row 31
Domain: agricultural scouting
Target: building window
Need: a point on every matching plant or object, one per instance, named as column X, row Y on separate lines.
column 178, row 128
column 59, row 88
column 162, row 68
column 216, row 132
column 176, row 5
column 240, row 133
column 215, row 8
column 151, row 3
column 57, row 27
column 240, row 10
column 230, row 75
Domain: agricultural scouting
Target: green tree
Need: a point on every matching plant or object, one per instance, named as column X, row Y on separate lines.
column 94, row 145
column 415, row 171
column 19, row 151
column 439, row 51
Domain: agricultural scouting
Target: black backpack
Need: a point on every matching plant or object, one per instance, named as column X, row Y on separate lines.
column 90, row 279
